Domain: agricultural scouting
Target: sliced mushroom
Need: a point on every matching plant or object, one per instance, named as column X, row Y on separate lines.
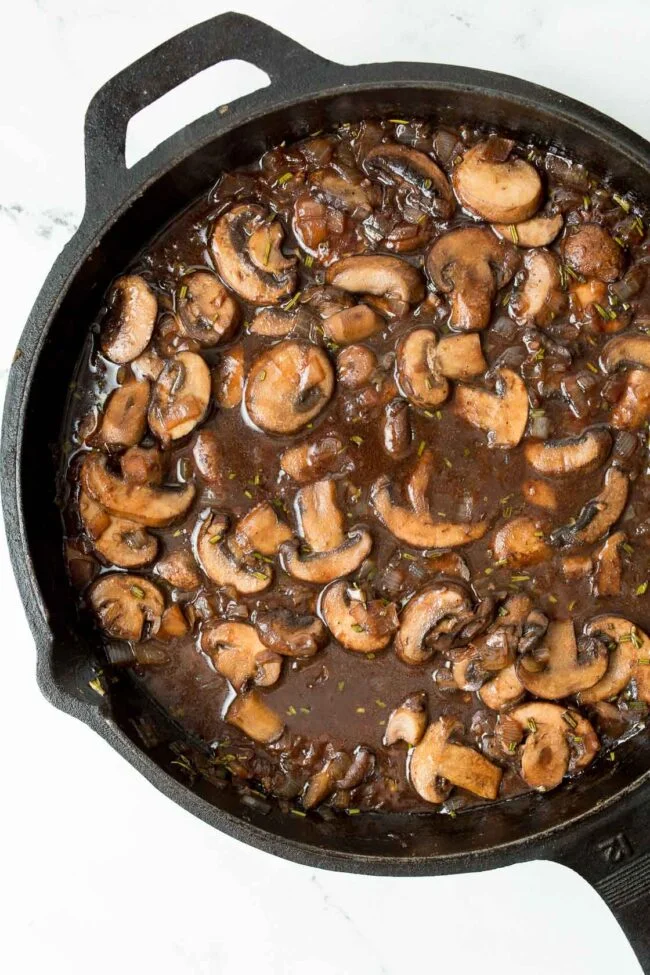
column 495, row 187
column 435, row 608
column 179, row 569
column 539, row 231
column 502, row 415
column 239, row 655
column 180, row 397
column 421, row 384
column 352, row 324
column 599, row 514
column 541, row 494
column 626, row 350
column 557, row 668
column 277, row 323
column 586, row 293
column 206, row 311
column 539, row 299
column 493, row 650
column 207, row 455
column 119, row 540
column 356, row 624
column 173, row 626
column 355, row 366
column 408, row 721
column 152, row 506
column 247, row 251
column 320, row 519
column 228, row 378
column 323, row 783
column 125, row 414
column 326, row 566
column 128, row 607
column 521, row 542
column 143, row 465
column 629, row 658
column 396, row 428
column 609, row 567
column 458, row 356
column 148, row 365
column 291, row 635
column 434, row 759
column 377, row 274
column 260, row 530
column 556, row 741
column 503, row 690
column 129, row 322
column 394, row 164
column 221, row 565
column 470, row 264
column 252, row 715
column 308, row 461
column 590, row 251
column 288, row 385
column 633, row 408
column 340, row 193
column 571, row 455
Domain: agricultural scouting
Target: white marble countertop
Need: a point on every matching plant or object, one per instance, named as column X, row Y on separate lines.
column 99, row 871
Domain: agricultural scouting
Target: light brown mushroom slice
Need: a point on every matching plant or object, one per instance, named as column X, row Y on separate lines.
column 418, row 481
column 626, row 350
column 458, row 356
column 419, row 530
column 394, row 164
column 502, row 189
column 586, row 293
column 421, row 384
column 521, row 542
column 556, row 669
column 277, row 323
column 408, row 721
column 153, row 506
column 591, row 251
column 291, row 635
column 239, row 655
column 143, row 465
column 207, row 455
column 228, row 378
column 320, row 519
column 539, row 231
column 628, row 659
column 128, row 607
column 148, row 365
column 570, row 455
column 469, row 264
column 352, row 324
column 576, row 567
column 377, row 274
column 129, row 322
column 356, row 624
column 179, row 569
column 397, row 434
column 340, row 193
column 219, row 563
column 180, row 397
column 125, row 414
column 173, row 626
column 503, row 690
column 308, row 461
column 633, row 408
column 608, row 574
column 252, row 715
column 323, row 783
column 541, row 494
column 206, row 310
column 434, row 759
column 355, row 366
column 239, row 244
column 599, row 514
column 502, row 415
column 321, row 567
column 287, row 386
column 260, row 530
column 437, row 605
column 539, row 298
column 119, row 540
column 557, row 740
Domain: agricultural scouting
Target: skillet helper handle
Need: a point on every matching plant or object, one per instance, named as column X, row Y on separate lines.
column 223, row 38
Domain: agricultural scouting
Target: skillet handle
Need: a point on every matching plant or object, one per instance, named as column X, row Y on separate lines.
column 223, row 38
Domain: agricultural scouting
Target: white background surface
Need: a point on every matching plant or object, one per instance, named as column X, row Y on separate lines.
column 98, row 871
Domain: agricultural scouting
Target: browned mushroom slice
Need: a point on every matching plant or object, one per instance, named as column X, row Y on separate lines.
column 148, row 365
column 120, row 541
column 576, row 567
column 571, row 455
column 340, row 193
column 180, row 397
column 246, row 248
column 153, row 506
column 608, row 574
column 288, row 385
column 589, row 250
column 143, row 465
column 521, row 542
column 228, row 379
column 470, row 264
column 557, row 668
column 221, row 565
column 179, row 569
column 277, row 323
column 495, row 186
column 629, row 659
column 394, row 164
column 421, row 384
column 239, row 655
column 352, row 324
column 378, row 274
column 517, row 625
column 355, row 366
column 206, row 311
column 357, row 624
column 503, row 690
column 326, row 566
column 320, row 519
column 291, row 635
column 539, row 299
column 125, row 414
column 633, row 408
column 541, row 494
column 502, row 415
column 408, row 721
column 557, row 741
column 207, row 455
column 539, row 231
column 599, row 514
column 252, row 715
column 128, row 607
column 129, row 322
column 260, row 530
column 396, row 428
column 458, row 356
column 308, row 461
column 431, row 611
column 173, row 626
column 323, row 783
column 627, row 350
column 435, row 759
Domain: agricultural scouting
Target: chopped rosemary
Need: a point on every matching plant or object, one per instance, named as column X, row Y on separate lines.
column 622, row 202
column 182, row 292
column 137, row 591
column 357, row 627
column 357, row 440
column 532, row 724
column 308, row 260
column 398, row 121
column 360, row 710
column 96, row 685
column 591, row 367
column 570, row 720
column 262, row 376
column 288, row 305
column 514, row 233
column 421, row 447
column 642, row 589
column 284, row 179
column 291, row 710
column 340, row 685
column 297, row 812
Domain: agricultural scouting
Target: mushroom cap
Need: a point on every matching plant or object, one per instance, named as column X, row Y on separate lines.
column 502, row 690
column 287, row 386
column 251, row 714
column 323, row 567
column 310, row 460
column 508, row 191
column 408, row 721
column 220, row 564
column 129, row 322
column 291, row 635
column 239, row 655
column 434, row 759
column 521, row 541
column 502, row 415
column 599, row 514
column 354, row 623
column 421, row 384
column 142, row 503
column 124, row 422
column 320, row 519
column 352, row 324
column 377, row 274
column 179, row 569
column 119, row 540
column 180, row 397
column 570, row 455
column 436, row 606
column 277, row 323
column 393, row 163
column 627, row 659
column 241, row 240
column 260, row 530
column 206, row 310
column 539, row 231
column 550, row 748
column 591, row 251
column 128, row 607
column 564, row 672
column 628, row 350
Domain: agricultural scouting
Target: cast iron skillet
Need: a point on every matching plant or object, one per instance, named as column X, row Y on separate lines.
column 600, row 825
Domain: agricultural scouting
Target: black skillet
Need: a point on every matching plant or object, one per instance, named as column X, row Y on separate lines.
column 599, row 825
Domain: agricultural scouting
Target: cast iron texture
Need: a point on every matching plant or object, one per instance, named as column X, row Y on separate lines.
column 600, row 825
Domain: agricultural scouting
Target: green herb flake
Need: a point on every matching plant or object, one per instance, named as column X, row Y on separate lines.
column 262, row 376
column 622, row 202
column 182, row 292
column 352, row 812
column 521, row 578
column 422, row 447
column 298, row 812
column 340, row 686
column 586, row 202
column 627, row 548
column 572, row 605
column 248, row 494
column 288, row 305
column 637, row 642
column 137, row 591
column 408, row 556
column 380, row 703
column 570, row 720
column 231, row 476
column 370, row 656
column 308, row 260
column 612, row 756
column 357, row 440
column 215, row 539
column 96, row 685
column 291, row 710
column 282, row 180
column 512, row 747
column 592, row 368
column 514, row 234
column 552, row 598
column 260, row 575
column 447, row 462
column 642, row 589
column 305, row 710
column 619, row 241
column 179, row 531
column 398, row 121
column 360, row 710
column 357, row 627
column 644, row 661
column 438, row 415
column 532, row 725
